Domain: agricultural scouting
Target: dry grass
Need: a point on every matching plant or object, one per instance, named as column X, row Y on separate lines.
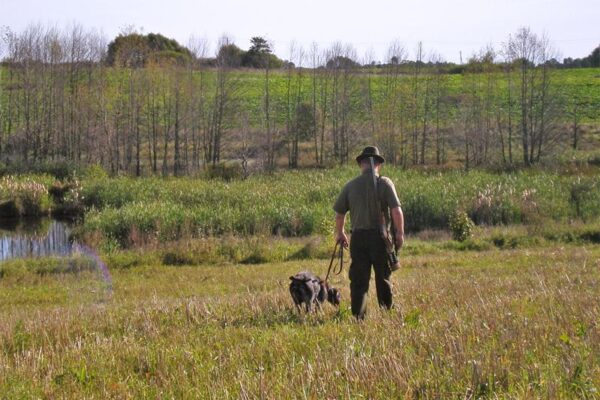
column 500, row 323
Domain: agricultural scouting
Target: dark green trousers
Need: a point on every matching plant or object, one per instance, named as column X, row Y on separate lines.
column 367, row 249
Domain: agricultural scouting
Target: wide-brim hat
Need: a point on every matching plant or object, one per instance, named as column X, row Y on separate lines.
column 370, row 151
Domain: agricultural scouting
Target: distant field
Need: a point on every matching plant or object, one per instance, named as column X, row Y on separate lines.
column 582, row 83
column 500, row 323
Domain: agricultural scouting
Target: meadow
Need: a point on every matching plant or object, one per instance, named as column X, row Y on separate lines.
column 196, row 303
column 467, row 324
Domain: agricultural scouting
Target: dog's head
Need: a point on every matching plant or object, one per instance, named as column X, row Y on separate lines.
column 334, row 296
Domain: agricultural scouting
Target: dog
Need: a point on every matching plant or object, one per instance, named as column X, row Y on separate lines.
column 308, row 289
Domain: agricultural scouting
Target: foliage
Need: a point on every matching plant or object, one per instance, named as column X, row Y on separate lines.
column 341, row 62
column 67, row 198
column 592, row 60
column 230, row 55
column 58, row 169
column 584, row 198
column 23, row 196
column 259, row 55
column 461, row 226
column 227, row 171
column 137, row 50
column 298, row 203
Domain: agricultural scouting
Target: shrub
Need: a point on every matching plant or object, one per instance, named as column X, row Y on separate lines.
column 67, row 198
column 298, row 203
column 23, row 197
column 584, row 198
column 226, row 171
column 461, row 226
column 494, row 205
column 95, row 171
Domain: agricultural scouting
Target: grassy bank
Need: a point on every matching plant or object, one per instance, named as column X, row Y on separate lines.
column 519, row 324
column 123, row 212
column 298, row 203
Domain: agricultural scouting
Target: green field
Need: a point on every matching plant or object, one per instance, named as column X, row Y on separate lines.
column 498, row 323
column 582, row 83
column 197, row 304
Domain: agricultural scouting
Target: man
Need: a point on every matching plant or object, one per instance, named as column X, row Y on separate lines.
column 368, row 247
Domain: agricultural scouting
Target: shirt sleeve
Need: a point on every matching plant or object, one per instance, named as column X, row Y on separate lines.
column 342, row 204
column 390, row 196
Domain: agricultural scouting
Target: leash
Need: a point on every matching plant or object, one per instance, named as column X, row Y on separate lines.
column 339, row 255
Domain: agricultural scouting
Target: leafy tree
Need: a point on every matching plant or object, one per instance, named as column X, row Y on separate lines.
column 136, row 50
column 341, row 62
column 230, row 55
column 260, row 55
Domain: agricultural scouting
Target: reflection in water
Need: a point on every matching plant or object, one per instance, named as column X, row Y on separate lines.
column 31, row 240
column 45, row 237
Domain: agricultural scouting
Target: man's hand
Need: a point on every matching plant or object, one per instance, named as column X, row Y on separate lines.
column 399, row 239
column 342, row 238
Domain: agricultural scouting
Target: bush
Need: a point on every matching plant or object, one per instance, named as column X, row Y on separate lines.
column 23, row 197
column 494, row 206
column 67, row 198
column 95, row 171
column 585, row 198
column 226, row 171
column 461, row 226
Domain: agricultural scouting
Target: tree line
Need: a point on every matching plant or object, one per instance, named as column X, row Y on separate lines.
column 176, row 113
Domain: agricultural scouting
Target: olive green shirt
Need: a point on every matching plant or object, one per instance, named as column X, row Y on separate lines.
column 357, row 196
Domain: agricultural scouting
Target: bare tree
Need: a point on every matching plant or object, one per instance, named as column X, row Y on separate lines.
column 197, row 91
column 389, row 108
column 530, row 55
column 294, row 96
column 226, row 88
column 342, row 66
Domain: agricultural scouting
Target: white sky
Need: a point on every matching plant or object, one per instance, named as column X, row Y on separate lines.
column 445, row 27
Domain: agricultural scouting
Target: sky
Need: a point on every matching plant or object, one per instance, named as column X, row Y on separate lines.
column 445, row 28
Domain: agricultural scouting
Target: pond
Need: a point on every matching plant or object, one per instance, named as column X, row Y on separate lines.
column 34, row 238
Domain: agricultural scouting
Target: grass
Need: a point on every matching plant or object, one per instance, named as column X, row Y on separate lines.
column 124, row 211
column 493, row 323
column 24, row 196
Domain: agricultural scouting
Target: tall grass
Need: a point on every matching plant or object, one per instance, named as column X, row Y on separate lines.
column 24, row 195
column 466, row 325
column 298, row 203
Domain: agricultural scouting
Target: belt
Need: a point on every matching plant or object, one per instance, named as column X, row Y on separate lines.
column 363, row 230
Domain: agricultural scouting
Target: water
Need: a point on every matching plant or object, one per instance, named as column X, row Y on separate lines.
column 34, row 238
column 45, row 237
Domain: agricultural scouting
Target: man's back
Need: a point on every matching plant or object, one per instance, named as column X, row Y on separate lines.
column 357, row 196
